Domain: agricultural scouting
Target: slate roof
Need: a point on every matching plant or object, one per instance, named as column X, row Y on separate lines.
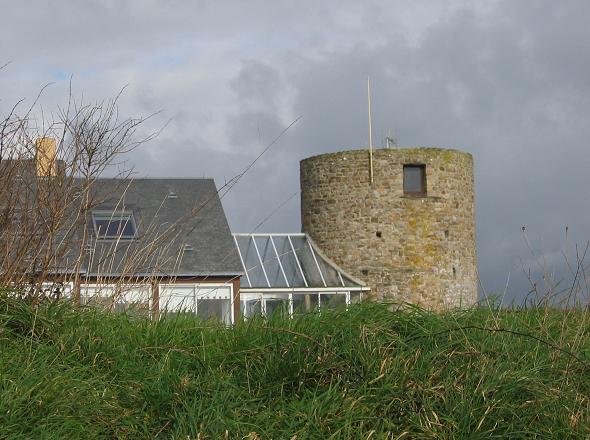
column 181, row 230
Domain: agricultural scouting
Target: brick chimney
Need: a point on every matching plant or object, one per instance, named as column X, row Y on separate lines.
column 45, row 157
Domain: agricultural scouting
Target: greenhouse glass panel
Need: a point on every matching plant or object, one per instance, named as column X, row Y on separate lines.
column 251, row 305
column 251, row 261
column 277, row 304
column 277, row 263
column 331, row 275
column 305, row 303
column 307, row 261
column 332, row 300
column 355, row 297
column 270, row 261
column 348, row 282
column 289, row 261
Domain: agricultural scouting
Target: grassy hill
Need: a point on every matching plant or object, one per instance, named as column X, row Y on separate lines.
column 363, row 373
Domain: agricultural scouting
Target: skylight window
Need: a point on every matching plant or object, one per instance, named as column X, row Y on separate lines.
column 114, row 225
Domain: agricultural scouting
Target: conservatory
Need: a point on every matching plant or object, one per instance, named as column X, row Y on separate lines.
column 287, row 273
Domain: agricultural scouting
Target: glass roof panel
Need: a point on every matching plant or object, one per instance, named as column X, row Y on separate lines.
column 301, row 263
column 251, row 261
column 270, row 262
column 328, row 271
column 307, row 261
column 288, row 261
column 348, row 282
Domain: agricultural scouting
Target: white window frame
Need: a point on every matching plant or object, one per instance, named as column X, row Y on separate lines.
column 252, row 296
column 263, row 296
column 195, row 295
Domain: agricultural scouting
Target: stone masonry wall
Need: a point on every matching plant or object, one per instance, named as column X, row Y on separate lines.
column 415, row 249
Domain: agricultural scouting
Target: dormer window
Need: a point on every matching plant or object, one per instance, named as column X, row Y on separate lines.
column 415, row 180
column 109, row 225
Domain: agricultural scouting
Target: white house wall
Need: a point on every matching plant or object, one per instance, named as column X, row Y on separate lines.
column 116, row 296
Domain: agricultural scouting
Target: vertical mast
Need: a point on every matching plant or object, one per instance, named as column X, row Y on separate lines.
column 370, row 132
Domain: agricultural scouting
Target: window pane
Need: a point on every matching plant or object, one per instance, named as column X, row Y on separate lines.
column 174, row 299
column 414, row 179
column 133, row 300
column 332, row 300
column 251, row 262
column 277, row 304
column 113, row 225
column 214, row 309
column 251, row 307
column 270, row 261
column 355, row 297
column 125, row 228
column 330, row 273
column 305, row 303
column 289, row 262
column 308, row 263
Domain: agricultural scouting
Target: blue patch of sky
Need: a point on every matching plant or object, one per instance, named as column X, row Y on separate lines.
column 59, row 75
column 169, row 57
column 53, row 74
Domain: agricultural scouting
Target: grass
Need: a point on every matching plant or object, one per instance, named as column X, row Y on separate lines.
column 364, row 373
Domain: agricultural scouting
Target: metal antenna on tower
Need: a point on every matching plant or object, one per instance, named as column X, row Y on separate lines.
column 390, row 140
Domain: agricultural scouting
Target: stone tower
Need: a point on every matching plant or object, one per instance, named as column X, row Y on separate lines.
column 410, row 235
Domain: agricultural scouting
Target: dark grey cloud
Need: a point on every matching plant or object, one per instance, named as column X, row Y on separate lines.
column 507, row 81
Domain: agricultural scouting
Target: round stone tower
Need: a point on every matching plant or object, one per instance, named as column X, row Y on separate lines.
column 410, row 235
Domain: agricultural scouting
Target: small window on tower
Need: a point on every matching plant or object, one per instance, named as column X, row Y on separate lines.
column 415, row 180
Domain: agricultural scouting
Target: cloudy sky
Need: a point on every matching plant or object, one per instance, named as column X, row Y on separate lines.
column 507, row 80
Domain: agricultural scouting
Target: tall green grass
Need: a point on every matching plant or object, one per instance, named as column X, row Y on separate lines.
column 363, row 373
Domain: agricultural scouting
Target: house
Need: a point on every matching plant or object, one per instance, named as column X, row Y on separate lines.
column 164, row 244
column 144, row 245
column 153, row 246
